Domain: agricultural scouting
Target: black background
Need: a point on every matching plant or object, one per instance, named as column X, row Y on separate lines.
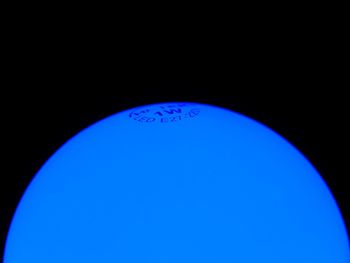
column 56, row 86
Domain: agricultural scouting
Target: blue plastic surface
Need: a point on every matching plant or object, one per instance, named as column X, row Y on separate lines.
column 177, row 182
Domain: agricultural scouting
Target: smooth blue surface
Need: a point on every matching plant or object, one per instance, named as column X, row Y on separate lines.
column 177, row 182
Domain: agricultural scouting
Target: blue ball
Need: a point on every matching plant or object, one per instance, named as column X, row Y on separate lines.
column 177, row 182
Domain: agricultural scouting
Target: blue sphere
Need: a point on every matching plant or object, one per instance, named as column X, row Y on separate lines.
column 177, row 182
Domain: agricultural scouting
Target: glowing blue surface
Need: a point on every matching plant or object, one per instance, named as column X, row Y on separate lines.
column 177, row 183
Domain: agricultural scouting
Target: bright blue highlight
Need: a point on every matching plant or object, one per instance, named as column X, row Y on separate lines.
column 177, row 183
